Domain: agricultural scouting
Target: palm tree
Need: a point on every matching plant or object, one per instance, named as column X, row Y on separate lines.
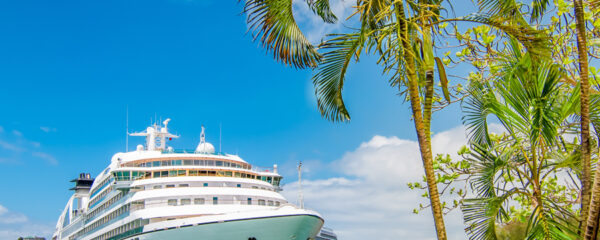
column 530, row 102
column 401, row 33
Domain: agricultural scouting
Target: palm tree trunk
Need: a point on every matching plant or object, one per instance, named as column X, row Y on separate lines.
column 420, row 125
column 589, row 214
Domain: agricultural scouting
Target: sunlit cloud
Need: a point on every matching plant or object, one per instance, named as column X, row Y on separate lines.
column 370, row 200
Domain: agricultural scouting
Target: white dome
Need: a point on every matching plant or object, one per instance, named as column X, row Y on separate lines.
column 205, row 148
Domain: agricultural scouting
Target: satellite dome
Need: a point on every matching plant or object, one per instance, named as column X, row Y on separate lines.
column 205, row 147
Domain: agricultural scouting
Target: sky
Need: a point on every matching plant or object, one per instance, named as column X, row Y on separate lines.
column 77, row 75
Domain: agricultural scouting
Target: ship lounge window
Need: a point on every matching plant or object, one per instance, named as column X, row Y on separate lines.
column 164, row 174
column 165, row 163
column 228, row 174
column 219, row 163
column 261, row 202
column 188, row 162
column 172, row 202
column 215, row 200
column 227, row 164
column 170, row 186
column 156, row 174
column 198, row 201
column 210, row 162
column 156, row 164
column 249, row 201
column 185, row 201
column 270, row 203
column 205, row 184
column 184, row 185
column 181, row 173
column 176, row 162
column 193, row 173
column 157, row 187
column 173, row 173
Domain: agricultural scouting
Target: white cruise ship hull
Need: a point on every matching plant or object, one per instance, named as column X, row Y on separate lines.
column 294, row 227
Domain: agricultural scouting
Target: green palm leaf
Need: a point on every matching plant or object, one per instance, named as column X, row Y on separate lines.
column 331, row 72
column 273, row 23
column 323, row 9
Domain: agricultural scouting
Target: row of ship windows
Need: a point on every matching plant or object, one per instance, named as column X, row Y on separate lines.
column 213, row 163
column 105, row 205
column 216, row 201
column 204, row 185
column 137, row 175
column 114, row 214
column 124, row 231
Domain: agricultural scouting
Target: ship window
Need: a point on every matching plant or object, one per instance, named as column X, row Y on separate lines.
column 229, row 174
column 212, row 173
column 157, row 187
column 203, row 173
column 170, row 186
column 220, row 173
column 261, row 202
column 237, row 174
column 173, row 173
column 197, row 162
column 277, row 204
column 172, row 202
column 219, row 163
column 184, row 185
column 269, row 179
column 210, row 162
column 239, row 185
column 205, row 184
column 164, row 174
column 249, row 201
column 156, row 164
column 226, row 164
column 198, row 201
column 215, row 200
column 193, row 173
column 254, row 187
column 202, row 162
column 176, row 162
column 270, row 203
column 181, row 173
column 165, row 163
column 149, row 164
column 185, row 201
column 187, row 162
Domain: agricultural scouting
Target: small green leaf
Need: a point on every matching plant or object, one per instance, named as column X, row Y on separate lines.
column 443, row 78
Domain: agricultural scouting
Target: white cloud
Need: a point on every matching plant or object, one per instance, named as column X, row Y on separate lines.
column 371, row 200
column 14, row 225
column 47, row 157
column 47, row 129
column 17, row 133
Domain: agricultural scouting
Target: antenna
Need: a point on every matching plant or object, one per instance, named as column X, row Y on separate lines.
column 220, row 126
column 300, row 196
column 127, row 129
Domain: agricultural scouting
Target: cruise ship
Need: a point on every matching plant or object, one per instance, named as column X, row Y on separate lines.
column 157, row 192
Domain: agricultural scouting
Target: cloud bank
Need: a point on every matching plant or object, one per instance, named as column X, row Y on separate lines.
column 14, row 225
column 370, row 200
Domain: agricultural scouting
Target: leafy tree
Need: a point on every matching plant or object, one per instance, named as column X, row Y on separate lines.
column 514, row 173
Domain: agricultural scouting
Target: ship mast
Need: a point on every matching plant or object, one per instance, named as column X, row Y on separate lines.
column 156, row 136
column 300, row 195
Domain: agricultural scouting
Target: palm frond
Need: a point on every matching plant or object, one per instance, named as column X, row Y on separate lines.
column 331, row 72
column 476, row 109
column 273, row 23
column 323, row 9
column 535, row 41
column 482, row 214
column 538, row 9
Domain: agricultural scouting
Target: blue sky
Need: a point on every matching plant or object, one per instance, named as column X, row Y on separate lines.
column 70, row 69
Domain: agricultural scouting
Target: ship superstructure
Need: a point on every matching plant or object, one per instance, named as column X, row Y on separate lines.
column 157, row 192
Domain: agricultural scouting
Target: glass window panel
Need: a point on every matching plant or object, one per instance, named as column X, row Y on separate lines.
column 187, row 162
column 219, row 163
column 202, row 163
column 198, row 201
column 165, row 163
column 229, row 174
column 226, row 164
column 185, row 201
column 184, row 185
column 172, row 202
column 205, row 184
column 193, row 173
column 156, row 174
column 197, row 162
column 164, row 174
column 156, row 164
column 249, row 201
column 215, row 200
column 181, row 173
column 177, row 163
column 237, row 174
column 210, row 163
